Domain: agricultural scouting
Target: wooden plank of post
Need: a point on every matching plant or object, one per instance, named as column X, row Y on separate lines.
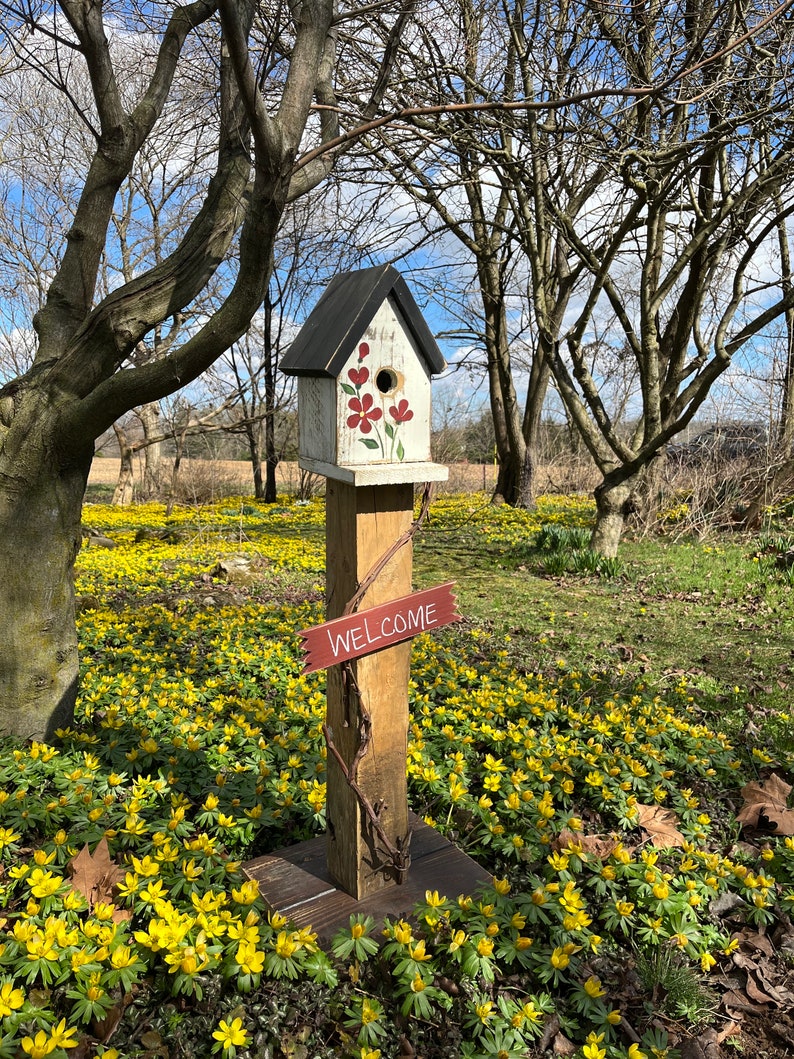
column 361, row 523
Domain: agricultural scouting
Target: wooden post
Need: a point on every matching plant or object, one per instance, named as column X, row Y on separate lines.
column 361, row 524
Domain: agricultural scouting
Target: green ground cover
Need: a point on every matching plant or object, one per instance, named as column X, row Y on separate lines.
column 584, row 733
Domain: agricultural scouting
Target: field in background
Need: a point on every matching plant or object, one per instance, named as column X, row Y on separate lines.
column 234, row 476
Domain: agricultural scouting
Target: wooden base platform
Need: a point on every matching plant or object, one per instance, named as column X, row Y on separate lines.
column 295, row 881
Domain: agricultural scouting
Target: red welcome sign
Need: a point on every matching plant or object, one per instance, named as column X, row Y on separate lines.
column 371, row 630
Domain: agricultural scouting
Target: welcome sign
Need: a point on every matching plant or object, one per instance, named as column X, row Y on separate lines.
column 371, row 630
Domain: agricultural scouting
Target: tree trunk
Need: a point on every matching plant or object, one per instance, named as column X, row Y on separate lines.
column 650, row 493
column 516, row 479
column 775, row 482
column 271, row 459
column 271, row 490
column 539, row 376
column 614, row 503
column 255, row 457
column 271, row 456
column 40, row 536
column 180, row 445
column 123, row 493
column 149, row 415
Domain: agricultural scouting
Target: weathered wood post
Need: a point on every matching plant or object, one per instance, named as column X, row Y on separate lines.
column 364, row 360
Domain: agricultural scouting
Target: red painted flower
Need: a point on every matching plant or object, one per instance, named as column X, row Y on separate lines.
column 358, row 376
column 364, row 415
column 401, row 413
column 363, row 350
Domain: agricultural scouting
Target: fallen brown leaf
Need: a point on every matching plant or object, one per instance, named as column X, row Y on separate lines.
column 562, row 1046
column 660, row 826
column 103, row 1029
column 765, row 802
column 95, row 876
column 705, row 1046
column 757, row 994
column 752, row 941
column 550, row 1029
column 731, row 1029
column 599, row 846
column 734, row 1002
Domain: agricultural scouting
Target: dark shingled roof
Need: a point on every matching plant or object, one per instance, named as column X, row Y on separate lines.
column 343, row 314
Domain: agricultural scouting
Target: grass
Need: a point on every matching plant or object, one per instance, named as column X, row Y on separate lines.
column 548, row 728
column 714, row 610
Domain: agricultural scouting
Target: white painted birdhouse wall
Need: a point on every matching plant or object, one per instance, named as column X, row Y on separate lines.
column 317, row 418
column 383, row 397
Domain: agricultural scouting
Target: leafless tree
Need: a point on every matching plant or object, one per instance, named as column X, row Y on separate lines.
column 658, row 206
column 269, row 102
column 442, row 162
column 637, row 154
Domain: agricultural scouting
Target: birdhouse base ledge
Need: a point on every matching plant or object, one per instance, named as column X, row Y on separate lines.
column 378, row 474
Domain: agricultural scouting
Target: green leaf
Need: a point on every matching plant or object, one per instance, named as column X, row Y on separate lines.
column 319, row 969
column 400, row 450
column 371, row 443
column 389, row 430
column 348, row 388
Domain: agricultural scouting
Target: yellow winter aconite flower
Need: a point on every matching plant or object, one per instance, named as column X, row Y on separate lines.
column 11, row 999
column 231, row 1034
column 247, row 893
column 122, row 956
column 458, row 939
column 485, row 947
column 592, row 1048
column 63, row 1036
column 250, row 959
column 485, row 1011
column 433, row 899
column 8, row 836
column 285, row 945
column 593, row 987
column 369, row 1013
column 403, row 932
column 39, row 1046
column 707, row 961
column 43, row 883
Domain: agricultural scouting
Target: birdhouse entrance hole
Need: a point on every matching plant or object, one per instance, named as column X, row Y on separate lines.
column 386, row 380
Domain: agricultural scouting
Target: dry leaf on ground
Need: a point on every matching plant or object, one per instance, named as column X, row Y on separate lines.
column 766, row 801
column 562, row 1046
column 95, row 875
column 660, row 826
column 598, row 845
column 704, row 1046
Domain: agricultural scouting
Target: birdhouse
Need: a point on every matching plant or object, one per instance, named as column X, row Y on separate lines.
column 364, row 360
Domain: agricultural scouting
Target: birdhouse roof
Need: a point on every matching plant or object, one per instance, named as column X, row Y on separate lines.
column 342, row 315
